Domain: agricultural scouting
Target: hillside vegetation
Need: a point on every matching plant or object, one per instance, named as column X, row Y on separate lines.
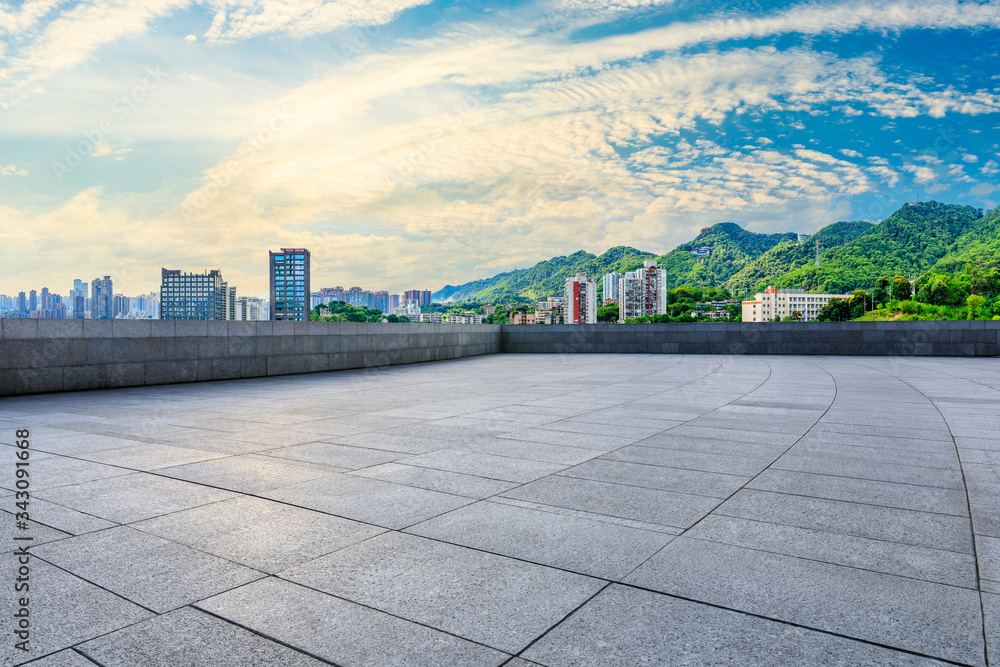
column 916, row 239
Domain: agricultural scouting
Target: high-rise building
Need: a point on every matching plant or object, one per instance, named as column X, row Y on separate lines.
column 380, row 301
column 192, row 296
column 357, row 297
column 610, row 285
column 290, row 291
column 22, row 304
column 102, row 305
column 32, row 301
column 580, row 300
column 642, row 292
column 79, row 307
column 419, row 297
column 392, row 303
column 249, row 308
column 229, row 301
column 119, row 305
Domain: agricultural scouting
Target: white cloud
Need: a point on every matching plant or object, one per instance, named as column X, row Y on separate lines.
column 105, row 149
column 850, row 153
column 990, row 168
column 243, row 19
column 886, row 174
column 921, row 174
column 12, row 170
column 191, row 38
column 972, row 159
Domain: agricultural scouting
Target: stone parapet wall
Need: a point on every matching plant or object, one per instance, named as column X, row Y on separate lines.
column 66, row 355
column 975, row 338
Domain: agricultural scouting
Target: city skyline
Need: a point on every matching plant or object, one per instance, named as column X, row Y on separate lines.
column 435, row 143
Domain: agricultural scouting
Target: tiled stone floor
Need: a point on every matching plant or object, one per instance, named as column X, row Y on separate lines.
column 519, row 510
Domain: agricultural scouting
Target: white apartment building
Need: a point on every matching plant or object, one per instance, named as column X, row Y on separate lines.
column 610, row 284
column 410, row 311
column 250, row 308
column 433, row 318
column 464, row 318
column 781, row 303
column 642, row 292
column 580, row 300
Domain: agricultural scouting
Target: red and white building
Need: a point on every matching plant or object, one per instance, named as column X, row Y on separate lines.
column 580, row 300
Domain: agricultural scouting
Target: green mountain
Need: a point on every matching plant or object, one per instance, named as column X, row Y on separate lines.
column 788, row 256
column 732, row 249
column 980, row 244
column 909, row 242
column 546, row 278
column 913, row 240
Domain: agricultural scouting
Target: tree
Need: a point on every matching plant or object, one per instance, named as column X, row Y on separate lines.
column 835, row 310
column 858, row 304
column 880, row 294
column 608, row 313
column 392, row 319
column 796, row 316
column 901, row 289
column 975, row 303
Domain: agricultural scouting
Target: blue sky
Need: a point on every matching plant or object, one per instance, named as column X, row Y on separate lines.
column 410, row 144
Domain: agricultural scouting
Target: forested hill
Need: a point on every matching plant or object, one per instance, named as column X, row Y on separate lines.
column 852, row 256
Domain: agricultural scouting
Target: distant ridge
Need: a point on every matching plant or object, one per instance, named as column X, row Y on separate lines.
column 853, row 255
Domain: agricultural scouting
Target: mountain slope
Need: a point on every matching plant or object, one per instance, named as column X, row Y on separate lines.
column 908, row 242
column 546, row 278
column 790, row 255
column 981, row 243
column 732, row 248
column 853, row 255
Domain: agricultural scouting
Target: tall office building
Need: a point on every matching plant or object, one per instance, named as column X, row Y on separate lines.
column 392, row 303
column 102, row 305
column 380, row 301
column 580, row 300
column 229, row 301
column 610, row 285
column 22, row 304
column 32, row 300
column 78, row 299
column 419, row 297
column 119, row 305
column 642, row 292
column 357, row 297
column 290, row 292
column 192, row 296
column 250, row 308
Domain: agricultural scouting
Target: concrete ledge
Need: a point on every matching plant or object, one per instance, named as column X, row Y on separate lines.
column 67, row 355
column 39, row 356
column 958, row 338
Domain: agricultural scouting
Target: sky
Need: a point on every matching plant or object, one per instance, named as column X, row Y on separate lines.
column 416, row 143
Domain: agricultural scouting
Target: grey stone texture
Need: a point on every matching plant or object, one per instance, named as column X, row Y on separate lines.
column 40, row 356
column 507, row 509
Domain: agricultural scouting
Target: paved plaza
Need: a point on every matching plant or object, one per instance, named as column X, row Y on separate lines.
column 517, row 510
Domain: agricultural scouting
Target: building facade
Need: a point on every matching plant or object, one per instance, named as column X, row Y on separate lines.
column 192, row 296
column 642, row 292
column 420, row 297
column 610, row 284
column 249, row 308
column 580, row 300
column 102, row 299
column 778, row 303
column 290, row 291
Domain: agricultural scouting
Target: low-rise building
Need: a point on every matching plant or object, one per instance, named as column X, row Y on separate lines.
column 433, row 318
column 716, row 310
column 463, row 318
column 779, row 303
column 550, row 311
column 521, row 317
